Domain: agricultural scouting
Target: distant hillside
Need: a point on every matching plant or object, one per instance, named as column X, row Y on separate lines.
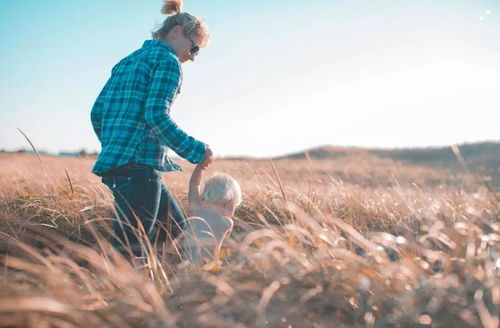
column 486, row 154
column 326, row 152
column 483, row 157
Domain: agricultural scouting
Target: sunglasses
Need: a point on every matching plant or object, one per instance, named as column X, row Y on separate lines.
column 194, row 48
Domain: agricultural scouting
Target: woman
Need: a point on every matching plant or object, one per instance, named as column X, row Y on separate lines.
column 131, row 119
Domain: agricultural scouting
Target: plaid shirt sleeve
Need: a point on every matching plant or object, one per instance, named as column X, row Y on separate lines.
column 160, row 95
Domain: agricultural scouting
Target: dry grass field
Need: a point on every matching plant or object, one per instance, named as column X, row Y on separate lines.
column 357, row 241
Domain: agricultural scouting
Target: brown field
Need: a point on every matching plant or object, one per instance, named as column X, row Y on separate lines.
column 357, row 241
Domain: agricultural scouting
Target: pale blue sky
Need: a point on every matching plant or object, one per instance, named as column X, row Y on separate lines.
column 278, row 76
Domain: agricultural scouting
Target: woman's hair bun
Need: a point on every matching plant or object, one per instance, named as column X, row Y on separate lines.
column 171, row 7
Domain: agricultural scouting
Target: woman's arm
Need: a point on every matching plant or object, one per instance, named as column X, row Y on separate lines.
column 162, row 88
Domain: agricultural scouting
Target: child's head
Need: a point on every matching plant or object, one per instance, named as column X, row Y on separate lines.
column 222, row 190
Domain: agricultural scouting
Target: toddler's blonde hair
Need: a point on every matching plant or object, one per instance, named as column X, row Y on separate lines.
column 220, row 189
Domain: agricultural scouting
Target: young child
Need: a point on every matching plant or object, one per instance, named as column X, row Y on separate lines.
column 209, row 214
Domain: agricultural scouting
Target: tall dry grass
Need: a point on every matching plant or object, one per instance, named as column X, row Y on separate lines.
column 352, row 242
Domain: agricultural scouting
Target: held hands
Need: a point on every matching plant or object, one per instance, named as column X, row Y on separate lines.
column 207, row 159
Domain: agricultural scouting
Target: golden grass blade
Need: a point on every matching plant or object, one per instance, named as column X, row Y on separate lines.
column 40, row 159
column 278, row 179
column 264, row 301
column 460, row 158
column 31, row 144
column 32, row 303
column 379, row 256
column 70, row 183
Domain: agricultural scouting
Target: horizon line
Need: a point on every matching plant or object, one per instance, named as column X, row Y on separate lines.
column 84, row 152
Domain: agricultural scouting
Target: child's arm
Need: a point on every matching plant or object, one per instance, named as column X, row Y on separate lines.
column 194, row 184
column 197, row 176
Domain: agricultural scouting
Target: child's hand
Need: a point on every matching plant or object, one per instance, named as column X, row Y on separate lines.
column 207, row 159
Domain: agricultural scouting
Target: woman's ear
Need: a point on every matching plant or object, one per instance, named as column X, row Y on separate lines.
column 177, row 31
column 173, row 34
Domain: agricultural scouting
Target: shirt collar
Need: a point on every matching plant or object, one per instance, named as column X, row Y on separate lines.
column 158, row 43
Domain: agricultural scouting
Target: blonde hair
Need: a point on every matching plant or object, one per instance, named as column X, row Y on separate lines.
column 221, row 188
column 190, row 24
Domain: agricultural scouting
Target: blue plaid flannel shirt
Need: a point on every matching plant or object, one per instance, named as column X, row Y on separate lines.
column 131, row 114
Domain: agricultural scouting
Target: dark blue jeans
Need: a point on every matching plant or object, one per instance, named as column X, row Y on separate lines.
column 141, row 196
